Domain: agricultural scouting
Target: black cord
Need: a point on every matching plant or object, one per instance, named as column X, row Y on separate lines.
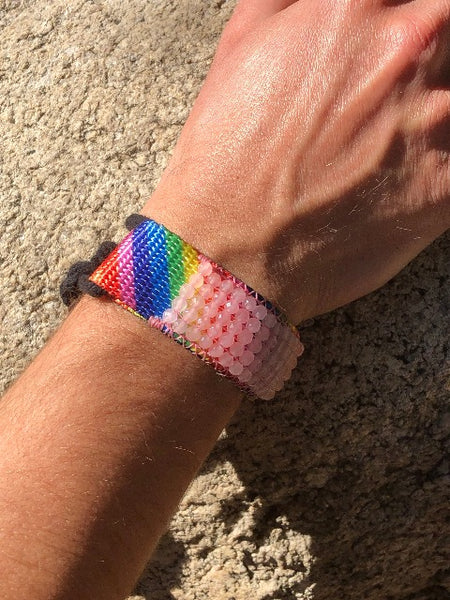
column 76, row 281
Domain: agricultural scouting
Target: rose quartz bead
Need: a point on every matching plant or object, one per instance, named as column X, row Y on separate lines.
column 202, row 324
column 170, row 316
column 205, row 268
column 264, row 333
column 245, row 337
column 250, row 303
column 255, row 346
column 198, row 302
column 226, row 360
column 226, row 340
column 238, row 295
column 260, row 312
column 232, row 307
column 247, row 358
column 211, row 310
column 237, row 349
column 220, row 298
column 267, row 394
column 255, row 365
column 270, row 320
column 215, row 330
column 299, row 347
column 179, row 304
column 254, row 325
column 205, row 342
column 214, row 279
column 216, row 351
column 236, row 368
column 272, row 342
column 234, row 327
column 245, row 376
column 193, row 334
column 223, row 318
column 207, row 291
column 187, row 290
column 196, row 280
column 190, row 315
column 180, row 326
column 227, row 286
column 242, row 315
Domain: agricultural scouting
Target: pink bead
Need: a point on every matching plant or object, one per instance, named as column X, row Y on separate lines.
column 187, row 290
column 216, row 351
column 267, row 394
column 255, row 346
column 236, row 349
column 299, row 348
column 245, row 376
column 245, row 337
column 255, row 365
column 232, row 307
column 179, row 304
column 193, row 334
column 220, row 298
column 180, row 326
column 236, row 368
column 242, row 315
column 247, row 358
column 226, row 339
column 270, row 320
column 226, row 360
column 190, row 315
column 210, row 310
column 205, row 342
column 234, row 327
column 202, row 324
column 227, row 286
column 170, row 316
column 264, row 333
column 198, row 302
column 238, row 295
column 223, row 318
column 260, row 312
column 215, row 330
column 254, row 325
column 196, row 280
column 272, row 342
column 205, row 268
column 214, row 279
column 250, row 303
column 207, row 291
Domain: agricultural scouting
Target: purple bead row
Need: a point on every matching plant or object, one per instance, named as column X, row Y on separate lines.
column 235, row 330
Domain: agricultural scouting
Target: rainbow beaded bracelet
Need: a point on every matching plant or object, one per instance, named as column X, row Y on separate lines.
column 159, row 277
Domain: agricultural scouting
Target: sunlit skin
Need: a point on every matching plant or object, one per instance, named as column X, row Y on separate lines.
column 314, row 165
column 322, row 132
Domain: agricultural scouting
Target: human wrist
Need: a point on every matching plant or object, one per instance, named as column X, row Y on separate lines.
column 253, row 259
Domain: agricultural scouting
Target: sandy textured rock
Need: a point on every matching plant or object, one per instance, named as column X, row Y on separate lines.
column 340, row 488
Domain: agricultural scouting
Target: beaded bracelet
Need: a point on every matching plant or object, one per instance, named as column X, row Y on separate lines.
column 159, row 277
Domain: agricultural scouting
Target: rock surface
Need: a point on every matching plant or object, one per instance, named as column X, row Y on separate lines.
column 338, row 489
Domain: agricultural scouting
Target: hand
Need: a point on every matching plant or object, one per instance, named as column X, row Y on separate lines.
column 315, row 162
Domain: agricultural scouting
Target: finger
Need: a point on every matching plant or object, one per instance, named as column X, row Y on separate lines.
column 439, row 69
column 433, row 111
column 248, row 15
column 429, row 15
column 255, row 11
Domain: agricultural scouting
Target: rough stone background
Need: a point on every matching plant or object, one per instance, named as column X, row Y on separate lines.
column 340, row 488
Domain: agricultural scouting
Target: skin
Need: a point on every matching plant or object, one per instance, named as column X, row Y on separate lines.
column 314, row 165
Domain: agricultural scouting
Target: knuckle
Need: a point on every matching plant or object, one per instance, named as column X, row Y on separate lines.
column 415, row 34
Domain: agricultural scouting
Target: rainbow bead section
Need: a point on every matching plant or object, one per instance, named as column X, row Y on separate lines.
column 159, row 277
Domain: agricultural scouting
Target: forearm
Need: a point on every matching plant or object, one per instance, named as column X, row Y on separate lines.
column 99, row 440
